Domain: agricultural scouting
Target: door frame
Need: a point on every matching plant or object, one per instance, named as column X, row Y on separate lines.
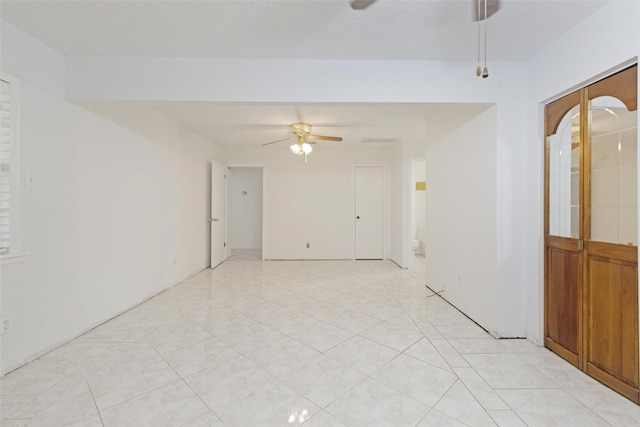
column 407, row 232
column 248, row 165
column 211, row 217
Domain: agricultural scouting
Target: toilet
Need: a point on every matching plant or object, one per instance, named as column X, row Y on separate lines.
column 415, row 243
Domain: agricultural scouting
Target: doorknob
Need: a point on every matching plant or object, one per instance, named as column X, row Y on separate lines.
column 357, row 217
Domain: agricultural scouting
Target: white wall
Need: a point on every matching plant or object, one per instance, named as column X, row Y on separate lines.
column 270, row 80
column 110, row 211
column 244, row 196
column 42, row 67
column 460, row 240
column 310, row 202
column 606, row 39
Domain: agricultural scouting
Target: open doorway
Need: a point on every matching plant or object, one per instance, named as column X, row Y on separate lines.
column 418, row 212
column 244, row 196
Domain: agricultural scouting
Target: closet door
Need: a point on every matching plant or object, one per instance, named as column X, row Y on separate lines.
column 591, row 236
column 563, row 234
column 369, row 212
column 611, row 235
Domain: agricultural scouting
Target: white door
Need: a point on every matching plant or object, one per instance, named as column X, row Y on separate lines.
column 369, row 212
column 218, row 250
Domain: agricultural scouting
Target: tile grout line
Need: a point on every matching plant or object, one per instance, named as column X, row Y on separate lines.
column 95, row 403
column 181, row 379
column 452, row 369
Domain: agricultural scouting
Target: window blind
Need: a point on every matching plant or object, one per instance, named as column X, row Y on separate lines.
column 5, row 168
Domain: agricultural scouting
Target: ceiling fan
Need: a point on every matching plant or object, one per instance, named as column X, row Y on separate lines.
column 483, row 9
column 361, row 4
column 480, row 13
column 302, row 134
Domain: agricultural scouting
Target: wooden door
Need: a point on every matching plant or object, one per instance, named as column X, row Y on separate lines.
column 591, row 255
column 611, row 236
column 563, row 241
column 612, row 313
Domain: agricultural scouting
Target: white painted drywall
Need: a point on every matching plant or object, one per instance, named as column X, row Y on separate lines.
column 110, row 212
column 267, row 80
column 310, row 202
column 606, row 39
column 244, row 198
column 32, row 60
column 461, row 237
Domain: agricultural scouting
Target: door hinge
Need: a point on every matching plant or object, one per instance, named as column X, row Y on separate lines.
column 580, row 245
column 225, row 244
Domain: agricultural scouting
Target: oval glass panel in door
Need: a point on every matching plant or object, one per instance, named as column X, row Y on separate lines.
column 564, row 177
column 614, row 172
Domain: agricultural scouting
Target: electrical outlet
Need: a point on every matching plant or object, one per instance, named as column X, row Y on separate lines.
column 308, row 245
column 5, row 326
column 172, row 259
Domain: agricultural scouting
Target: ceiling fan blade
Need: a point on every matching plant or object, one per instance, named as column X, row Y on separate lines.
column 361, row 4
column 478, row 9
column 325, row 138
column 275, row 142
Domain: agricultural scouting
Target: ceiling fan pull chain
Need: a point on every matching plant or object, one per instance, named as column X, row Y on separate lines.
column 479, row 67
column 485, row 71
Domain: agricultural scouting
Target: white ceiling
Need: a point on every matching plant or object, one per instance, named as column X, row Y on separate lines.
column 294, row 29
column 299, row 29
column 256, row 124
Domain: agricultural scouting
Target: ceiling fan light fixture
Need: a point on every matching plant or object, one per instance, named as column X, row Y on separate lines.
column 301, row 131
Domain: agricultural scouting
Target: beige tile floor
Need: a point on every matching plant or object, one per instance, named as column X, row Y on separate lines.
column 318, row 343
column 245, row 255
